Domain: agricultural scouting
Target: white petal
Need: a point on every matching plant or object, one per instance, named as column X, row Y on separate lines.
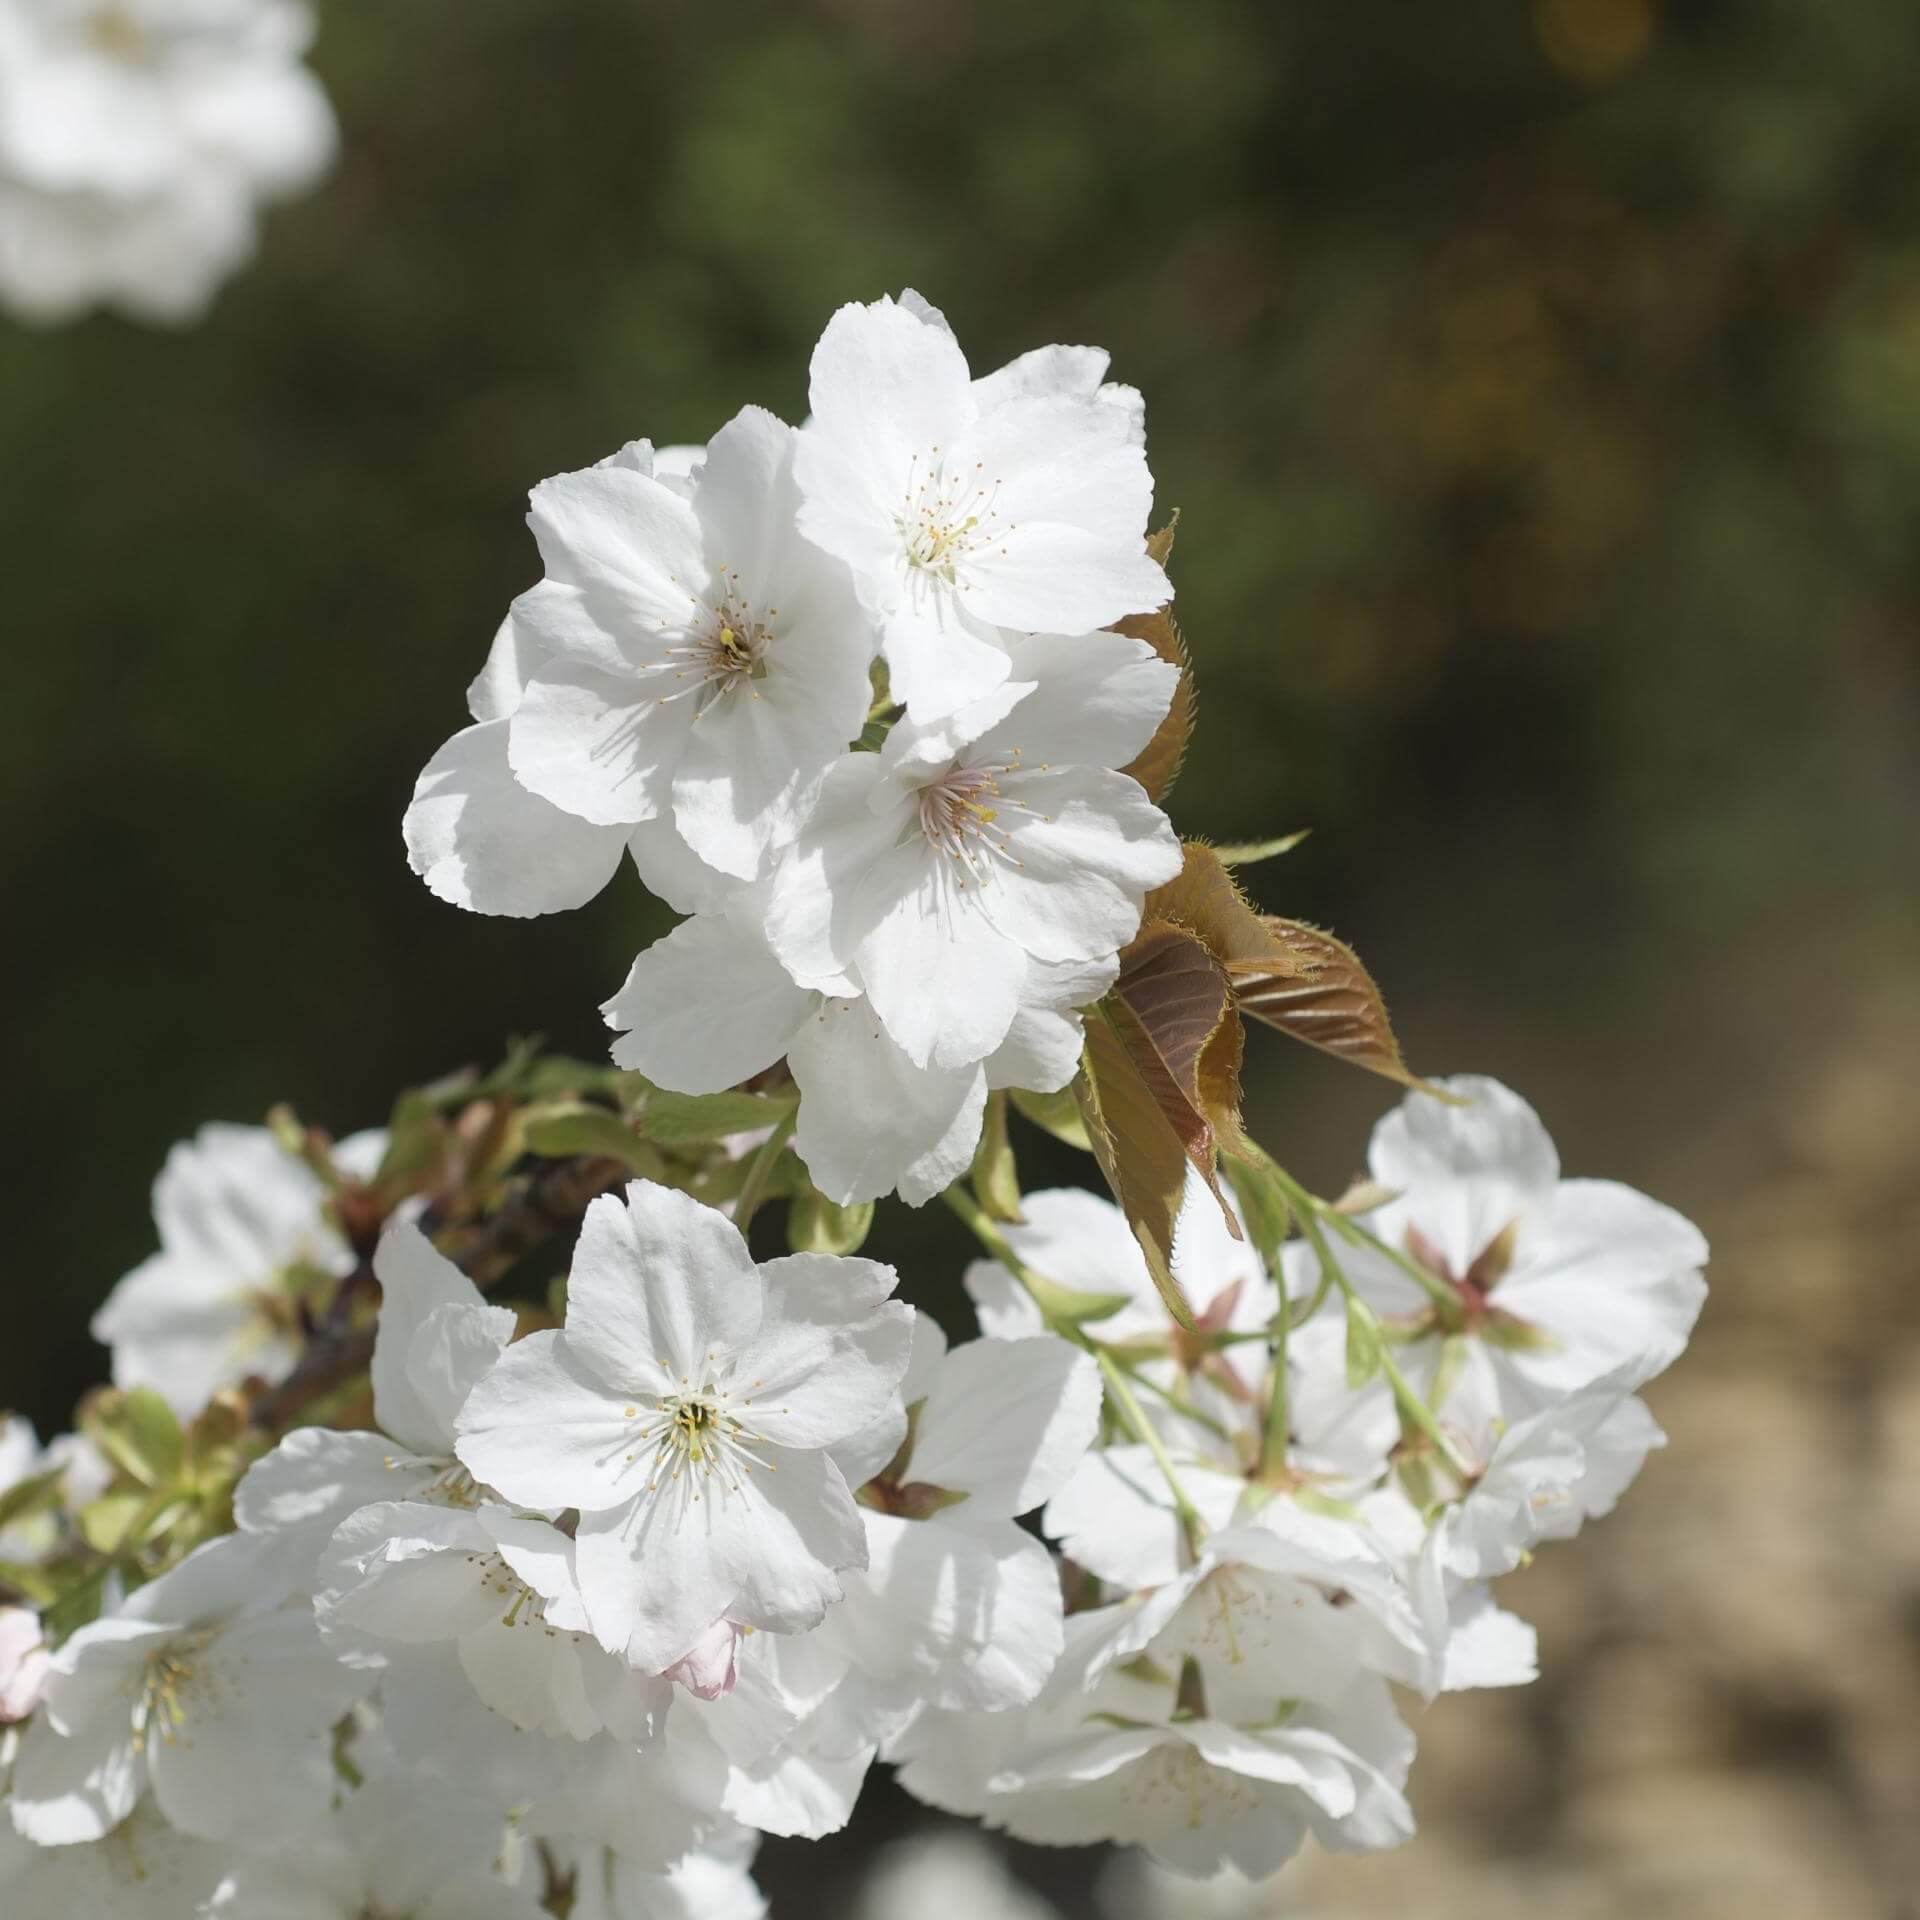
column 546, row 1432
column 1084, row 848
column 658, row 1282
column 253, row 1755
column 479, row 839
column 667, row 866
column 706, row 1007
column 830, row 1351
column 945, row 980
column 1097, row 698
column 415, row 1280
column 629, row 542
column 807, row 903
column 597, row 744
column 870, row 1120
column 1007, row 1422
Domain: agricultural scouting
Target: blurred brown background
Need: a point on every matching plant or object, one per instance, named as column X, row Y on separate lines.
column 1540, row 384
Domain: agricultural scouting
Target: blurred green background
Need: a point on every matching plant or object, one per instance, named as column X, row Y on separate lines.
column 1540, row 386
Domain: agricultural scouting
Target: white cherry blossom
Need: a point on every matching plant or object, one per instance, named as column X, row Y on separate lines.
column 696, row 659
column 958, row 1606
column 870, row 1121
column 137, row 140
column 397, row 1847
column 933, row 875
column 965, row 507
column 686, row 1410
column 434, row 1339
column 205, row 1686
column 143, row 1870
column 480, row 839
column 501, row 1586
column 1081, row 1240
column 242, row 1224
column 1127, row 1761
column 1551, row 1283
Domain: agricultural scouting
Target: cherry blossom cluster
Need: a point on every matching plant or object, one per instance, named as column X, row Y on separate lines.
column 677, row 1571
column 844, row 695
column 363, row 1591
column 138, row 140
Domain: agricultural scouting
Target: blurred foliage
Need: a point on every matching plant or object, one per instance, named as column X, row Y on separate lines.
column 1540, row 386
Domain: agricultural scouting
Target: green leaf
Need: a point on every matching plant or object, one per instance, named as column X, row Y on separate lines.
column 1070, row 1305
column 33, row 1584
column 137, row 1431
column 995, row 1178
column 816, row 1224
column 1054, row 1113
column 25, row 1498
column 79, row 1603
column 689, row 1119
column 1245, row 853
column 1366, row 1345
column 106, row 1523
column 1263, row 1206
column 559, row 1132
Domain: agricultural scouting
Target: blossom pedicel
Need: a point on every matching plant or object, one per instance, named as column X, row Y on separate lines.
column 362, row 1591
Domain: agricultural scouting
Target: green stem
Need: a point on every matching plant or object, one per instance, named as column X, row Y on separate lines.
column 1046, row 1294
column 754, row 1190
column 1183, row 1407
column 1142, row 1429
column 1413, row 1410
column 1418, row 1414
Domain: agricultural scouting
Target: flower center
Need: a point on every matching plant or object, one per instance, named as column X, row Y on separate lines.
column 162, row 1688
column 965, row 815
column 523, row 1607
column 945, row 517
column 728, row 650
column 698, row 1437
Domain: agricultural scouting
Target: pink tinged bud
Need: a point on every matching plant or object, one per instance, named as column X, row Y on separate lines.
column 24, row 1660
column 711, row 1667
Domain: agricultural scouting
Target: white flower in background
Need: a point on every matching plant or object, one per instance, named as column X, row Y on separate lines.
column 137, row 140
column 959, row 1606
column 200, row 1685
column 945, row 1873
column 501, row 1587
column 1552, row 1282
column 696, row 659
column 965, row 507
column 143, row 1870
column 1081, row 1240
column 932, row 875
column 435, row 1338
column 1543, row 1477
column 243, row 1227
column 1274, row 1608
column 397, row 1847
column 711, row 1885
column 709, row 1005
column 481, row 840
column 1135, row 1759
column 686, row 1411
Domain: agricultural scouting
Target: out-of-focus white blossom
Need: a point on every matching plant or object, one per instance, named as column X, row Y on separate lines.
column 242, row 1226
column 138, row 140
